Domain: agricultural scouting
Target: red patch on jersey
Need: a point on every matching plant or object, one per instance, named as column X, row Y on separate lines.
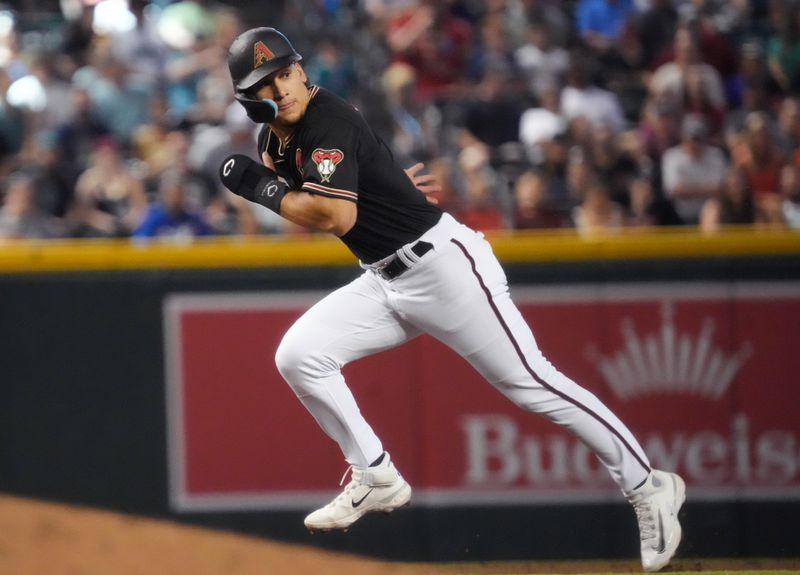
column 298, row 161
column 261, row 54
column 326, row 161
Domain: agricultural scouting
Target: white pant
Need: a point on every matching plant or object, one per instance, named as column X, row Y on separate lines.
column 457, row 293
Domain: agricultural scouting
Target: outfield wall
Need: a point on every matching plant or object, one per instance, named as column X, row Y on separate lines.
column 140, row 378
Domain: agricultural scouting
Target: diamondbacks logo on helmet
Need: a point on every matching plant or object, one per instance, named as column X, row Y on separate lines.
column 326, row 161
column 261, row 54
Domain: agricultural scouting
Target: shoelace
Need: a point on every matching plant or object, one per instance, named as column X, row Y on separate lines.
column 350, row 486
column 647, row 521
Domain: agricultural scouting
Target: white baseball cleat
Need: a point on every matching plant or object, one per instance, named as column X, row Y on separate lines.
column 656, row 504
column 379, row 488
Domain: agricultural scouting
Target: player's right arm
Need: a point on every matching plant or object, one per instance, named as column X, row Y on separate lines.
column 260, row 184
column 318, row 213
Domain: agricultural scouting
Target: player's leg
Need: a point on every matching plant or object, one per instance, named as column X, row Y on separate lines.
column 351, row 322
column 473, row 313
column 460, row 297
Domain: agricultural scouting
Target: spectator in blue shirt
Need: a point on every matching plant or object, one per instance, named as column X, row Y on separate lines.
column 170, row 216
column 600, row 21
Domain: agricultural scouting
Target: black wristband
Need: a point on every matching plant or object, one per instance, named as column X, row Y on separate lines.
column 269, row 192
column 253, row 181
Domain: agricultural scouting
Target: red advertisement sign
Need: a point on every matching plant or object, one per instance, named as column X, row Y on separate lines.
column 705, row 375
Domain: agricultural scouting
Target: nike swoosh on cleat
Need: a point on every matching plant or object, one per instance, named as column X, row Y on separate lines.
column 360, row 501
column 662, row 545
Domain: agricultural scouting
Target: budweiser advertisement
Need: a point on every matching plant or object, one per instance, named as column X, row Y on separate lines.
column 705, row 375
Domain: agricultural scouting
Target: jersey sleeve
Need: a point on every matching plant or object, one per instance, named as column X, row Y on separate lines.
column 330, row 162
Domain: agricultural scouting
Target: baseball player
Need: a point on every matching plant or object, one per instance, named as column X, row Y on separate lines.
column 325, row 169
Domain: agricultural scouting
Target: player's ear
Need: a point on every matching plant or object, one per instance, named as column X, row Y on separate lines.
column 302, row 73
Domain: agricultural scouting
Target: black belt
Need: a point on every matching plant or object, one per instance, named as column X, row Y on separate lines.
column 397, row 266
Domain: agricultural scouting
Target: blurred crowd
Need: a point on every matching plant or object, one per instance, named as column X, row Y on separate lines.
column 586, row 114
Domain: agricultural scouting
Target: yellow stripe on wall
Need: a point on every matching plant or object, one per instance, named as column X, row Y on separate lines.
column 29, row 256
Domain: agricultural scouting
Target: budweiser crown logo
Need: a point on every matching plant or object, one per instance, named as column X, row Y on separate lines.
column 669, row 362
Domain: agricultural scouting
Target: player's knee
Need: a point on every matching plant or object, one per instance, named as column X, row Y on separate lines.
column 288, row 358
column 299, row 365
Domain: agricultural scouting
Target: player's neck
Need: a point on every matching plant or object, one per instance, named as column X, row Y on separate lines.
column 283, row 133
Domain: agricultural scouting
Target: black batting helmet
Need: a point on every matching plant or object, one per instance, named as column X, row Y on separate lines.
column 256, row 54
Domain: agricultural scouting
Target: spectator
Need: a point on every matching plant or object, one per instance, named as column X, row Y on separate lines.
column 332, row 68
column 170, row 216
column 751, row 86
column 450, row 197
column 12, row 123
column 580, row 98
column 788, row 128
column 656, row 27
column 542, row 64
column 597, row 212
column 733, row 203
column 78, row 137
column 141, row 46
column 610, row 163
column 213, row 88
column 20, row 218
column 599, row 21
column 577, row 177
column 660, row 127
column 54, row 173
column 783, row 50
column 109, row 200
column 541, row 124
column 78, row 35
column 411, row 135
column 693, row 171
column 43, row 93
column 533, row 203
column 492, row 116
column 790, row 194
column 647, row 207
column 697, row 102
column 484, row 192
column 553, row 16
column 195, row 54
column 435, row 42
column 493, row 53
column 121, row 100
column 759, row 156
column 670, row 78
column 623, row 65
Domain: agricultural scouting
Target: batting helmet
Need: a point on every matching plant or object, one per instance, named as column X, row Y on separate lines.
column 256, row 54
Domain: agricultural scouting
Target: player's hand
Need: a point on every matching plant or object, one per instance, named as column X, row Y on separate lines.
column 425, row 183
column 266, row 159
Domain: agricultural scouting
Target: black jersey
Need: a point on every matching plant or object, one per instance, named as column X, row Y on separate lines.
column 333, row 152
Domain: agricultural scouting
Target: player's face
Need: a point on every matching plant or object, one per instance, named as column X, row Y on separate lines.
column 287, row 87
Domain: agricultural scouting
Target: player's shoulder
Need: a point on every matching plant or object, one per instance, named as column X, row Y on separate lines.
column 326, row 110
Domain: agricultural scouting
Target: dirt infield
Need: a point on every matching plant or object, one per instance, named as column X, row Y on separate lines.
column 39, row 538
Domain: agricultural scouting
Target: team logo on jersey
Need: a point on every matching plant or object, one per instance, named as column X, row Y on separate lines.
column 261, row 54
column 326, row 161
column 298, row 161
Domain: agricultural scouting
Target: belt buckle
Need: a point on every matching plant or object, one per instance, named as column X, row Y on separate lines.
column 381, row 271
